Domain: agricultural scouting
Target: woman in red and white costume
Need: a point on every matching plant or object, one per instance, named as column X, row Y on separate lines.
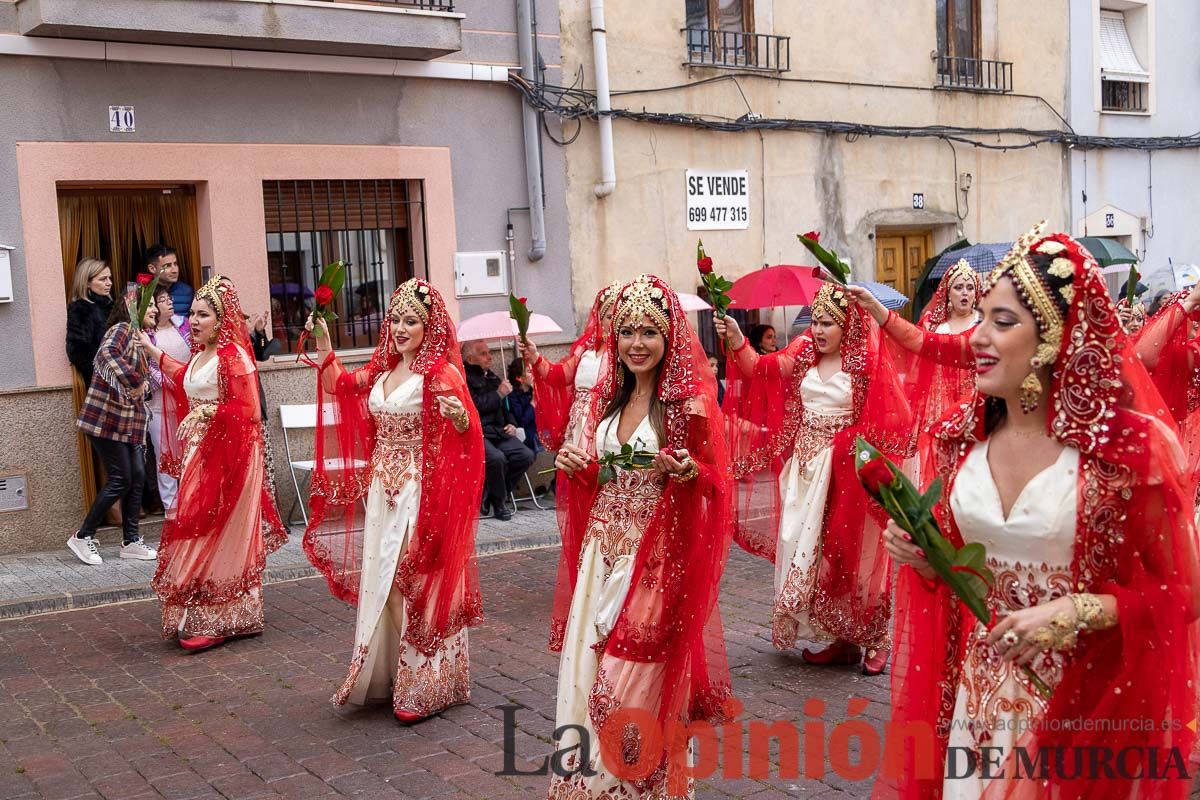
column 1062, row 468
column 561, row 397
column 395, row 502
column 224, row 522
column 642, row 627
column 793, row 417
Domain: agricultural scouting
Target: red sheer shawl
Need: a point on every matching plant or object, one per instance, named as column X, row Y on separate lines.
column 1170, row 352
column 1134, row 539
column 670, row 615
column 437, row 574
column 554, row 384
column 214, row 478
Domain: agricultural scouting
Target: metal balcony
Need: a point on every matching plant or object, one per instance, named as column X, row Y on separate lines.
column 974, row 74
column 402, row 29
column 708, row 47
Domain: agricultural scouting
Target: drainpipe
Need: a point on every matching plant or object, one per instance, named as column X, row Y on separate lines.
column 608, row 167
column 529, row 119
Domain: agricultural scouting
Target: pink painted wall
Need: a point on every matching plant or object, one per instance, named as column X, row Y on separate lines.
column 233, row 234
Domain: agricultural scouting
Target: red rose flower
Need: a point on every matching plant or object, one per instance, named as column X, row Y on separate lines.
column 323, row 295
column 705, row 265
column 144, row 278
column 816, row 237
column 876, row 473
column 524, row 300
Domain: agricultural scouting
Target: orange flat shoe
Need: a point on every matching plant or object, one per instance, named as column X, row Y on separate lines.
column 876, row 661
column 195, row 644
column 836, row 654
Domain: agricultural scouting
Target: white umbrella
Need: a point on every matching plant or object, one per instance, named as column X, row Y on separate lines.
column 500, row 325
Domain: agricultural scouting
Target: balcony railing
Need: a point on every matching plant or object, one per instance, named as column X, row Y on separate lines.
column 1129, row 96
column 974, row 74
column 738, row 50
column 425, row 5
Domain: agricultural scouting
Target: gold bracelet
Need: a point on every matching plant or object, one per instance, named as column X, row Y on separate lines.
column 1060, row 634
column 688, row 474
column 1090, row 614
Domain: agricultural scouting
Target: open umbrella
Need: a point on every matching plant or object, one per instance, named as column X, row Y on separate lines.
column 883, row 293
column 781, row 285
column 692, row 302
column 499, row 325
column 1108, row 252
column 983, row 258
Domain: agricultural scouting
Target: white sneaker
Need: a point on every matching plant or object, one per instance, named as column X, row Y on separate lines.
column 85, row 550
column 140, row 550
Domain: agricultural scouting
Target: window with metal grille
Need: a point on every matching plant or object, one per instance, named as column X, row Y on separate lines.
column 376, row 226
column 1123, row 95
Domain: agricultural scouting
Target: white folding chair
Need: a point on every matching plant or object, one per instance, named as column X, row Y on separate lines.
column 303, row 416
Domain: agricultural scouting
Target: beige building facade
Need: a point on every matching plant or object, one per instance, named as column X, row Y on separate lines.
column 886, row 201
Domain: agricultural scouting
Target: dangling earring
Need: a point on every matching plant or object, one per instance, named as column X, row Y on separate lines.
column 1031, row 392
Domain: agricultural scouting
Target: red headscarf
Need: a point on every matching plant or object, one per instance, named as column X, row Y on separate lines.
column 1134, row 539
column 437, row 574
column 670, row 615
column 210, row 488
column 554, row 394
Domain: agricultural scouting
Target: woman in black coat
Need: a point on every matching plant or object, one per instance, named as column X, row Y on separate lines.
column 87, row 314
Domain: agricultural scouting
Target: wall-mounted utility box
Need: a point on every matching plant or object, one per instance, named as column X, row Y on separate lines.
column 6, row 286
column 480, row 274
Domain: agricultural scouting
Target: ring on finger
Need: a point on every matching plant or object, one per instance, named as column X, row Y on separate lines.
column 1010, row 638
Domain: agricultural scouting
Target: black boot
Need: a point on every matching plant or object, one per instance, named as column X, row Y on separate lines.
column 500, row 510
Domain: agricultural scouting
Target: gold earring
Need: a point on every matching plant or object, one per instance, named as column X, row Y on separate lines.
column 1031, row 392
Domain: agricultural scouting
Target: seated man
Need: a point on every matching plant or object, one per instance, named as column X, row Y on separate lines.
column 507, row 457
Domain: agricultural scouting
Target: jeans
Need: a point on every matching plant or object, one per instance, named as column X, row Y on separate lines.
column 126, row 467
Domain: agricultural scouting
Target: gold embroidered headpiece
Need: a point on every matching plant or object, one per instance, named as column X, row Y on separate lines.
column 960, row 269
column 831, row 299
column 212, row 293
column 414, row 294
column 1035, row 292
column 608, row 296
column 642, row 298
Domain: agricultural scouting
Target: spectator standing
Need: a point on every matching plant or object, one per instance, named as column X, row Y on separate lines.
column 87, row 315
column 176, row 341
column 114, row 417
column 520, row 403
column 507, row 459
column 162, row 261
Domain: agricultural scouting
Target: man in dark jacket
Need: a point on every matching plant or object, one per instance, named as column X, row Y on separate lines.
column 507, row 458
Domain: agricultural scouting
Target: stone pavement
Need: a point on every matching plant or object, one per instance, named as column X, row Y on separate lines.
column 36, row 583
column 93, row 704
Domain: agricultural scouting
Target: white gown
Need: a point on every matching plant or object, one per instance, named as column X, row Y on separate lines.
column 587, row 373
column 619, row 518
column 384, row 665
column 803, row 491
column 1030, row 555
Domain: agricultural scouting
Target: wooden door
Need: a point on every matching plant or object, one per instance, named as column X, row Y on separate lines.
column 899, row 259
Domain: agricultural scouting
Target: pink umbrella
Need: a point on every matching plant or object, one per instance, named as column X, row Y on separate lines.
column 781, row 285
column 691, row 302
column 499, row 325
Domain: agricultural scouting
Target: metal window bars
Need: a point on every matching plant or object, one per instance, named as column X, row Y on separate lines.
column 376, row 226
column 710, row 47
column 974, row 74
column 1130, row 96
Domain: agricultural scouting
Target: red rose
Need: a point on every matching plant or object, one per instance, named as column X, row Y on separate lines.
column 144, row 278
column 876, row 473
column 704, row 265
column 816, row 237
column 323, row 295
column 523, row 300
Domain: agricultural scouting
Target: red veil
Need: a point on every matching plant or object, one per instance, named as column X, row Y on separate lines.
column 209, row 490
column 437, row 575
column 1134, row 539
column 554, row 391
column 765, row 420
column 670, row 615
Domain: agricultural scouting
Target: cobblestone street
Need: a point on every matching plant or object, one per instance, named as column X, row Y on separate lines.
column 94, row 704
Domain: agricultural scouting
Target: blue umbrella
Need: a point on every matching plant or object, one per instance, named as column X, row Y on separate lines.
column 983, row 258
column 885, row 294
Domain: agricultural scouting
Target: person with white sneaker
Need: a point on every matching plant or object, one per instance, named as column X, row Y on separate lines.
column 114, row 417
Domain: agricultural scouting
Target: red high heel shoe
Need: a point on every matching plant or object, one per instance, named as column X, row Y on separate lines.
column 195, row 644
column 836, row 654
column 408, row 717
column 876, row 660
